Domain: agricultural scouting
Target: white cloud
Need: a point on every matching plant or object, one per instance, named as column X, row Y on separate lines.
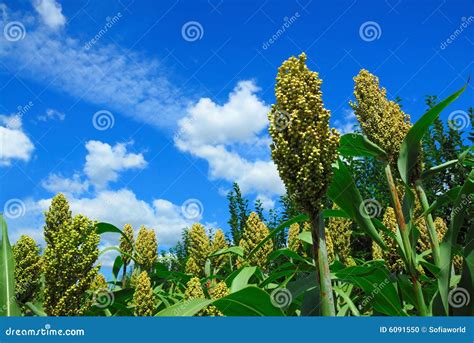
column 58, row 184
column 348, row 123
column 267, row 202
column 239, row 120
column 14, row 143
column 216, row 133
column 131, row 84
column 50, row 12
column 120, row 207
column 52, row 114
column 104, row 162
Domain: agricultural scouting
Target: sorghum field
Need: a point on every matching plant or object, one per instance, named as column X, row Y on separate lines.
column 378, row 222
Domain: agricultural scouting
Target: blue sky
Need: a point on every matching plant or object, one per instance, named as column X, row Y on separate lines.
column 187, row 86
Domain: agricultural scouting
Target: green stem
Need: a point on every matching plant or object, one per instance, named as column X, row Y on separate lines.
column 422, row 309
column 124, row 275
column 429, row 223
column 409, row 251
column 323, row 275
column 397, row 207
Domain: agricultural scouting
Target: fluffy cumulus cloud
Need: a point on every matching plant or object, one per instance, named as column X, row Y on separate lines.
column 14, row 143
column 104, row 162
column 56, row 183
column 221, row 134
column 50, row 12
column 131, row 84
column 116, row 206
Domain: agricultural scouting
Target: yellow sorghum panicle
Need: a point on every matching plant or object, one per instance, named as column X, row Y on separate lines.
column 219, row 243
column 192, row 267
column 194, row 289
column 218, row 291
column 199, row 246
column 254, row 232
column 28, row 268
column 146, row 248
column 329, row 247
column 69, row 258
column 99, row 283
column 58, row 215
column 294, row 243
column 304, row 147
column 381, row 120
column 391, row 257
column 134, row 277
column 143, row 298
column 339, row 231
column 125, row 246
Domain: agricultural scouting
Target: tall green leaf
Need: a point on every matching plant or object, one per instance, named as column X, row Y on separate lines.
column 376, row 282
column 185, row 308
column 355, row 144
column 459, row 212
column 109, row 228
column 343, row 191
column 250, row 301
column 8, row 305
column 230, row 250
column 242, row 279
column 411, row 146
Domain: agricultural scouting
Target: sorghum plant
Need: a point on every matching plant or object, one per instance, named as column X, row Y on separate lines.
column 304, row 149
column 126, row 247
column 254, row 232
column 146, row 248
column 143, row 298
column 199, row 249
column 28, row 268
column 219, row 243
column 69, row 258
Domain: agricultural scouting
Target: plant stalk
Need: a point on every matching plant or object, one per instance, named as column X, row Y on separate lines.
column 422, row 309
column 410, row 253
column 397, row 207
column 429, row 223
column 124, row 275
column 323, row 275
